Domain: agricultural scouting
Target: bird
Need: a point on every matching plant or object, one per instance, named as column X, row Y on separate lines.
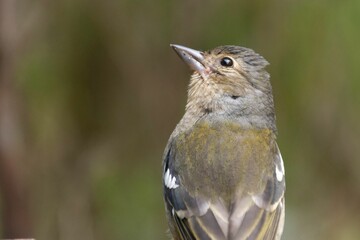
column 223, row 173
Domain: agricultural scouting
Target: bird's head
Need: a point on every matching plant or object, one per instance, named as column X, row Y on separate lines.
column 228, row 80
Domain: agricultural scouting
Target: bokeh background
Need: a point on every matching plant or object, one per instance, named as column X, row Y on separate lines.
column 90, row 92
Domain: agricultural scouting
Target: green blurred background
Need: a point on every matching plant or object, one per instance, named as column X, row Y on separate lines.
column 90, row 92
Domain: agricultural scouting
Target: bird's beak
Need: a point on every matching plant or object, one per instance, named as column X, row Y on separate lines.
column 194, row 58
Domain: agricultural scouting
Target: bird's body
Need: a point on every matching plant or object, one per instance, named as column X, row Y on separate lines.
column 223, row 172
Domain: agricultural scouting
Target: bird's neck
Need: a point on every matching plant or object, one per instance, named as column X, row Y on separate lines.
column 255, row 110
column 245, row 122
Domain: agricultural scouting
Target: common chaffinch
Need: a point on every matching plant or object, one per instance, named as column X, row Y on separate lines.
column 223, row 174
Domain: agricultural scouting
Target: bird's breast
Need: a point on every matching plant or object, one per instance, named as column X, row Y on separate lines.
column 222, row 158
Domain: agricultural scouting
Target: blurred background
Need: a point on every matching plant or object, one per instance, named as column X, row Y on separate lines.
column 90, row 92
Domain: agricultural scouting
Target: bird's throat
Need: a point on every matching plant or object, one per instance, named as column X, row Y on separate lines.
column 201, row 94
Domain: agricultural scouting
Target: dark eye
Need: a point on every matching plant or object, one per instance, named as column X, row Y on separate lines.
column 226, row 62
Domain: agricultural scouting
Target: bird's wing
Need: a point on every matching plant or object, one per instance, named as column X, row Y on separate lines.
column 191, row 217
column 261, row 216
column 252, row 216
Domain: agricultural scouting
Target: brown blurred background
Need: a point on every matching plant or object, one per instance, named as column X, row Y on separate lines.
column 90, row 91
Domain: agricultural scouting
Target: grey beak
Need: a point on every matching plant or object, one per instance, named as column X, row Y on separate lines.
column 194, row 58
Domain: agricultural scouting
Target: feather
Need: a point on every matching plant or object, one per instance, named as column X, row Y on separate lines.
column 245, row 216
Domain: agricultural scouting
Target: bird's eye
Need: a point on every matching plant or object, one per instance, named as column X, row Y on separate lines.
column 226, row 62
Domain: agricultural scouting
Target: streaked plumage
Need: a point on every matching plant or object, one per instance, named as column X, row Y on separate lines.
column 223, row 171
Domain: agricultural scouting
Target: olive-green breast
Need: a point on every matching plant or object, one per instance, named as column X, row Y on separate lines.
column 222, row 158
